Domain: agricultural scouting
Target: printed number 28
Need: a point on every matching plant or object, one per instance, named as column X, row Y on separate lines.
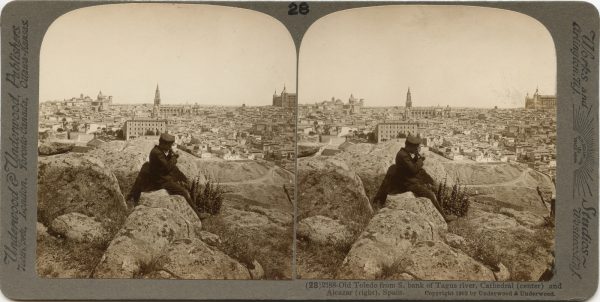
column 303, row 8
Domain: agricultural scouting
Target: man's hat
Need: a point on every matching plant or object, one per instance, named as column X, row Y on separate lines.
column 413, row 140
column 167, row 138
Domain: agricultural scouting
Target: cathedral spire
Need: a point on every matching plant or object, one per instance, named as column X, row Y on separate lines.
column 157, row 96
column 408, row 99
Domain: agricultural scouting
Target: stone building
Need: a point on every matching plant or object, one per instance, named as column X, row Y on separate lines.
column 413, row 113
column 539, row 101
column 285, row 99
column 101, row 103
column 146, row 127
column 354, row 105
column 161, row 111
column 393, row 129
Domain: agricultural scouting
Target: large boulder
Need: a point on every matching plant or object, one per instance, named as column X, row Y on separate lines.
column 194, row 259
column 389, row 235
column 370, row 168
column 53, row 148
column 420, row 206
column 434, row 260
column 328, row 187
column 70, row 183
column 175, row 203
column 146, row 234
column 323, row 230
column 79, row 228
column 254, row 233
column 526, row 247
column 405, row 240
column 125, row 162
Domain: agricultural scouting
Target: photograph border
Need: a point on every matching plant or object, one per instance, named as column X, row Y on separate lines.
column 29, row 20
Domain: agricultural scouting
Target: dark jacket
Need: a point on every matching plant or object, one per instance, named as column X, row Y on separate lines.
column 407, row 167
column 162, row 167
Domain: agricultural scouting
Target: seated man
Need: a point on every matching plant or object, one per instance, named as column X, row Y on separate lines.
column 408, row 175
column 161, row 172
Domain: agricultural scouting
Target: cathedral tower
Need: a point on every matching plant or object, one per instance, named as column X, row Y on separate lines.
column 157, row 96
column 156, row 108
column 408, row 99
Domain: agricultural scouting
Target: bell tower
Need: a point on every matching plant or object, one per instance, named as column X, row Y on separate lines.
column 156, row 107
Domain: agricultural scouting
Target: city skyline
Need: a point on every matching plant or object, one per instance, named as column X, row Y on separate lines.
column 163, row 100
column 195, row 52
column 434, row 50
column 401, row 103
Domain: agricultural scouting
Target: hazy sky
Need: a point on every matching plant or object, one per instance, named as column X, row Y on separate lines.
column 448, row 55
column 196, row 53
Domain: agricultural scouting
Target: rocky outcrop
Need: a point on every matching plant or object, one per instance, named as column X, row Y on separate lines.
column 254, row 233
column 323, row 230
column 41, row 231
column 371, row 168
column 125, row 159
column 194, row 259
column 307, row 150
column 69, row 183
column 158, row 221
column 328, row 187
column 79, row 228
column 53, row 148
column 515, row 238
column 255, row 224
column 435, row 260
column 174, row 203
column 405, row 237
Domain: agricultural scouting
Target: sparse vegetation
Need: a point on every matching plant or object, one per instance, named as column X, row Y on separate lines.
column 477, row 246
column 454, row 200
column 207, row 197
column 272, row 250
column 155, row 264
column 394, row 270
column 521, row 252
column 69, row 259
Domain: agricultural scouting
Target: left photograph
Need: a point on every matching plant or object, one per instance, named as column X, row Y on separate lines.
column 166, row 144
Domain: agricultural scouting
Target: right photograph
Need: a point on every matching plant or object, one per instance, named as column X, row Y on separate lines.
column 426, row 145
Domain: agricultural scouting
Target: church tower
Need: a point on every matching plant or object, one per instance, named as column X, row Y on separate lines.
column 157, row 96
column 156, row 108
column 408, row 99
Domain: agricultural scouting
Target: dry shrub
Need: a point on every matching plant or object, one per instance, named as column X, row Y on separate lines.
column 454, row 200
column 207, row 197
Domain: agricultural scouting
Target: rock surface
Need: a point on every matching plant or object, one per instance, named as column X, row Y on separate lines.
column 70, row 183
column 53, row 148
column 256, row 219
column 323, row 230
column 125, row 159
column 79, row 228
column 159, row 220
column 328, row 187
column 194, row 259
column 434, row 260
column 389, row 235
column 502, row 274
column 209, row 238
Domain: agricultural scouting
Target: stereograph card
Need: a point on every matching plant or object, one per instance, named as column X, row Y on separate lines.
column 299, row 150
